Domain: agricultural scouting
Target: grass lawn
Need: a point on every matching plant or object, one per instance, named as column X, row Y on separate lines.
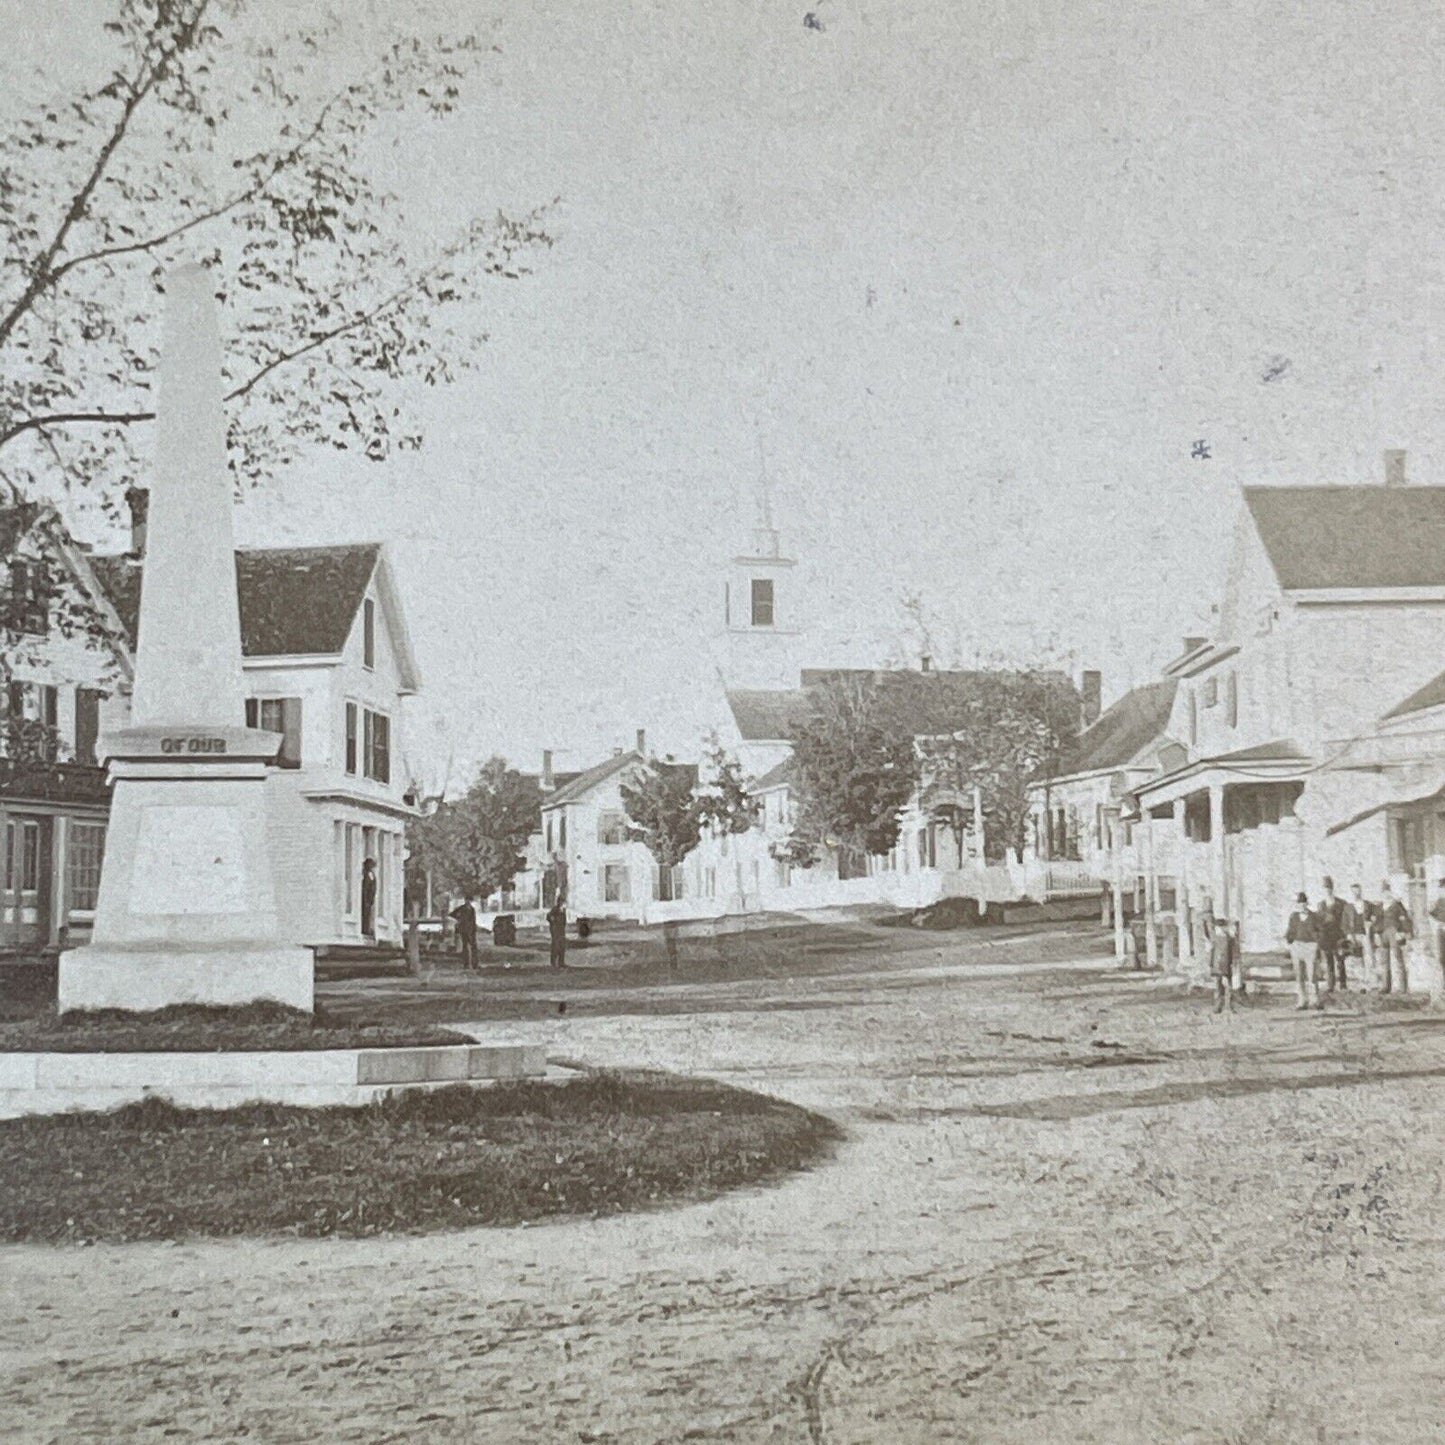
column 415, row 1162
column 197, row 1028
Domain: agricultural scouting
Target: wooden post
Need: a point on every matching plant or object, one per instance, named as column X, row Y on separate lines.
column 1183, row 882
column 1216, row 851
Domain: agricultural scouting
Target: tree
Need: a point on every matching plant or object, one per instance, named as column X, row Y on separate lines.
column 854, row 770
column 210, row 136
column 473, row 847
column 994, row 730
column 664, row 814
column 724, row 802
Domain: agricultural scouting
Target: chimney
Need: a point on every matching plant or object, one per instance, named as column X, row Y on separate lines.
column 1092, row 692
column 642, row 742
column 925, row 663
column 547, row 782
column 138, row 499
column 1394, row 468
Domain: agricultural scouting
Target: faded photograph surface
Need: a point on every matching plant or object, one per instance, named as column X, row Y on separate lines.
column 721, row 723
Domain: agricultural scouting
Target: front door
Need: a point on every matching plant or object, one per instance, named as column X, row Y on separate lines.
column 25, row 876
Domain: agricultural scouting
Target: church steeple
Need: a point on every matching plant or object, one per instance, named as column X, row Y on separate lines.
column 760, row 606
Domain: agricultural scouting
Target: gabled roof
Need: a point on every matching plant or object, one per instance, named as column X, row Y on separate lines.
column 1431, row 695
column 583, row 782
column 294, row 601
column 1351, row 538
column 778, row 776
column 1122, row 732
column 769, row 716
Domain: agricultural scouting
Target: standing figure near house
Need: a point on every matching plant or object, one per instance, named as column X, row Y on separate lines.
column 466, row 920
column 1332, row 937
column 1302, row 934
column 368, row 898
column 557, row 927
column 1437, row 913
column 1395, row 928
column 1223, row 951
column 1360, row 922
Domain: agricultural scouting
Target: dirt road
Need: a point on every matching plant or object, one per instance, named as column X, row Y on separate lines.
column 1071, row 1206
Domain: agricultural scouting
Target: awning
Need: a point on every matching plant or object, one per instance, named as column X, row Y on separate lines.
column 1405, row 795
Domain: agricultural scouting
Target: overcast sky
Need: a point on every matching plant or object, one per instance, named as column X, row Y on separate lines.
column 968, row 280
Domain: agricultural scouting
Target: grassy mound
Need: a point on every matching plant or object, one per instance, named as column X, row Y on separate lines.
column 414, row 1162
column 200, row 1028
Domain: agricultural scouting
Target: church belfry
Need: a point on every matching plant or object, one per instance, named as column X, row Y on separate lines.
column 760, row 609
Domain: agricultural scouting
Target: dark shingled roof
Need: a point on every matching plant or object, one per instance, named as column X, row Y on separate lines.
column 295, row 601
column 1352, row 537
column 776, row 776
column 927, row 701
column 1122, row 732
column 769, row 716
column 1431, row 695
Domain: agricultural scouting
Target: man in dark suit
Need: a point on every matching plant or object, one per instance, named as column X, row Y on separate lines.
column 557, row 927
column 368, row 898
column 1332, row 937
column 1302, row 934
column 1396, row 927
column 466, row 921
column 1360, row 923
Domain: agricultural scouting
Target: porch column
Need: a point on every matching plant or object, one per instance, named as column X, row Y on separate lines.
column 60, row 877
column 1116, row 837
column 1183, row 885
column 1216, row 851
column 1151, row 893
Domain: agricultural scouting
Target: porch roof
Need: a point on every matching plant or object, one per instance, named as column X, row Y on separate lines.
column 1280, row 760
column 1422, row 790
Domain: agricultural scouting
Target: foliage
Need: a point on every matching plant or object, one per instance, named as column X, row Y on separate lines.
column 994, row 730
column 854, row 769
column 724, row 802
column 473, row 846
column 663, row 810
column 216, row 134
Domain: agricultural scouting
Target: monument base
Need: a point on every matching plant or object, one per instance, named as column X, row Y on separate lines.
column 154, row 977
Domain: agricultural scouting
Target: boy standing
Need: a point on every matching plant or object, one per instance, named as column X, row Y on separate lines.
column 1223, row 950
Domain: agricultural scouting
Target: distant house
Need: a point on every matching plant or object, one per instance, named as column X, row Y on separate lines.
column 1078, row 821
column 605, row 873
column 62, row 652
column 328, row 664
column 1333, row 612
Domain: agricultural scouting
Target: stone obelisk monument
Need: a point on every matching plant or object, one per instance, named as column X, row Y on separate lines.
column 187, row 911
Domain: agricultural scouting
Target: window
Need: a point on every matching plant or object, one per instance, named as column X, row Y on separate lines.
column 376, row 746
column 368, row 632
column 29, row 711
column 616, row 886
column 27, row 599
column 87, row 847
column 762, row 600
column 29, row 857
column 1193, row 717
column 562, row 832
column 611, row 829
column 351, row 739
column 278, row 715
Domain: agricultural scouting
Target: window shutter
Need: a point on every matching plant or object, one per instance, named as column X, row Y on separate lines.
column 291, row 732
column 351, row 738
column 1231, row 695
column 50, row 705
column 87, row 723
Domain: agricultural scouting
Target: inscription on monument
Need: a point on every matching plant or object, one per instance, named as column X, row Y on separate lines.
column 193, row 745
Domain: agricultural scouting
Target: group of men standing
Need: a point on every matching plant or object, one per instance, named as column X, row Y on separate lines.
column 1323, row 937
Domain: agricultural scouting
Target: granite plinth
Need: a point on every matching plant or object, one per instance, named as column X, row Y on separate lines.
column 156, row 976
